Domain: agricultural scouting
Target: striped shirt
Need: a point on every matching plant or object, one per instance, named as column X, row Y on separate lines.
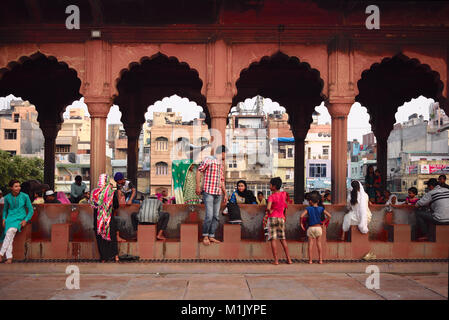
column 438, row 199
column 213, row 175
column 149, row 210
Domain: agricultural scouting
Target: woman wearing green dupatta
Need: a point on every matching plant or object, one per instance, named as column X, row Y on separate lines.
column 104, row 201
column 184, row 172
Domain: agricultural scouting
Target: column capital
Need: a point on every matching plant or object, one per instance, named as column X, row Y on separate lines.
column 133, row 130
column 339, row 106
column 49, row 129
column 219, row 107
column 98, row 106
column 300, row 133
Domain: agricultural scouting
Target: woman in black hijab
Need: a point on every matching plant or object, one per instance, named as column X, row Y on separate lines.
column 241, row 195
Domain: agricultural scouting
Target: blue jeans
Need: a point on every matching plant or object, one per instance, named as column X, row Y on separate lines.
column 212, row 203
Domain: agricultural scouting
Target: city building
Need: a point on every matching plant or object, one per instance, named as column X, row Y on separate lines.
column 414, row 145
column 20, row 133
column 164, row 131
column 249, row 158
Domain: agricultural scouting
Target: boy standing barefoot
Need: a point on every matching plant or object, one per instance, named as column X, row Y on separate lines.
column 314, row 231
column 277, row 203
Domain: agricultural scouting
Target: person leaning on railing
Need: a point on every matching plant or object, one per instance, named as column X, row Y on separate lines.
column 438, row 200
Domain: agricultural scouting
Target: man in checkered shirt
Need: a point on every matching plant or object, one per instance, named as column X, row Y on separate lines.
column 213, row 191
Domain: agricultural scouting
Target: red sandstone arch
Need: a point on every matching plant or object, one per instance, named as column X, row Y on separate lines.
column 49, row 84
column 389, row 84
column 152, row 79
column 297, row 87
column 144, row 83
column 287, row 80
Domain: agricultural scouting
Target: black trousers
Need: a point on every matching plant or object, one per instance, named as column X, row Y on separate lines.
column 423, row 218
column 162, row 222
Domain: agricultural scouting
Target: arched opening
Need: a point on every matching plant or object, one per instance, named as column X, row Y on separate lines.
column 295, row 86
column 51, row 86
column 142, row 85
column 361, row 144
column 382, row 89
column 173, row 126
column 21, row 143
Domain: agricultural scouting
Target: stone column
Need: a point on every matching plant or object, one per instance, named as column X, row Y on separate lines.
column 339, row 111
column 382, row 158
column 50, row 132
column 133, row 133
column 299, row 187
column 219, row 113
column 98, row 110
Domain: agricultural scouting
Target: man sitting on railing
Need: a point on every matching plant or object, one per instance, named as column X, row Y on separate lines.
column 438, row 200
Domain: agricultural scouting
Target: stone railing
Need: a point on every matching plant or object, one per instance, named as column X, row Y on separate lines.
column 66, row 231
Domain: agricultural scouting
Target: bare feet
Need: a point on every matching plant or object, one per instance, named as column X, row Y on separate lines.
column 276, row 262
column 117, row 259
column 289, row 261
column 161, row 238
column 214, row 240
column 321, row 262
column 310, row 261
column 206, row 241
column 9, row 261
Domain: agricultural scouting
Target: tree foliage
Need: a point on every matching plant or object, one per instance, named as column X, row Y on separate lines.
column 20, row 168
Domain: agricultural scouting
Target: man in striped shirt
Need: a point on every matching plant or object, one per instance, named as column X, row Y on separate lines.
column 213, row 191
column 438, row 200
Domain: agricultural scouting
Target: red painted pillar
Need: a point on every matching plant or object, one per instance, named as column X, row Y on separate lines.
column 339, row 111
column 98, row 110
column 219, row 111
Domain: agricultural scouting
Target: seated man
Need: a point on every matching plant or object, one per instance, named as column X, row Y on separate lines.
column 50, row 197
column 442, row 181
column 77, row 190
column 151, row 212
column 126, row 188
column 438, row 200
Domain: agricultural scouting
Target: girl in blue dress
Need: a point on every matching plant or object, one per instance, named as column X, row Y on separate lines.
column 17, row 211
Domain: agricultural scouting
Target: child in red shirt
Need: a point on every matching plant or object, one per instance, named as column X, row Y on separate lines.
column 277, row 203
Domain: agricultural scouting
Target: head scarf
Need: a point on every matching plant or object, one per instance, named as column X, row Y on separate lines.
column 247, row 194
column 101, row 199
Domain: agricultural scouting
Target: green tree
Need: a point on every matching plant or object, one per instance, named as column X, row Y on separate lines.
column 20, row 168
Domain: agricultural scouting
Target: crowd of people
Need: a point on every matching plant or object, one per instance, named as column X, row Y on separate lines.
column 208, row 182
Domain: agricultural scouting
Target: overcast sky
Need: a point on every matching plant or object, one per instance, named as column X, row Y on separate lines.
column 358, row 118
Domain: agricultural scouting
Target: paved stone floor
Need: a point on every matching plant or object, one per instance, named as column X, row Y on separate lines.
column 196, row 282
